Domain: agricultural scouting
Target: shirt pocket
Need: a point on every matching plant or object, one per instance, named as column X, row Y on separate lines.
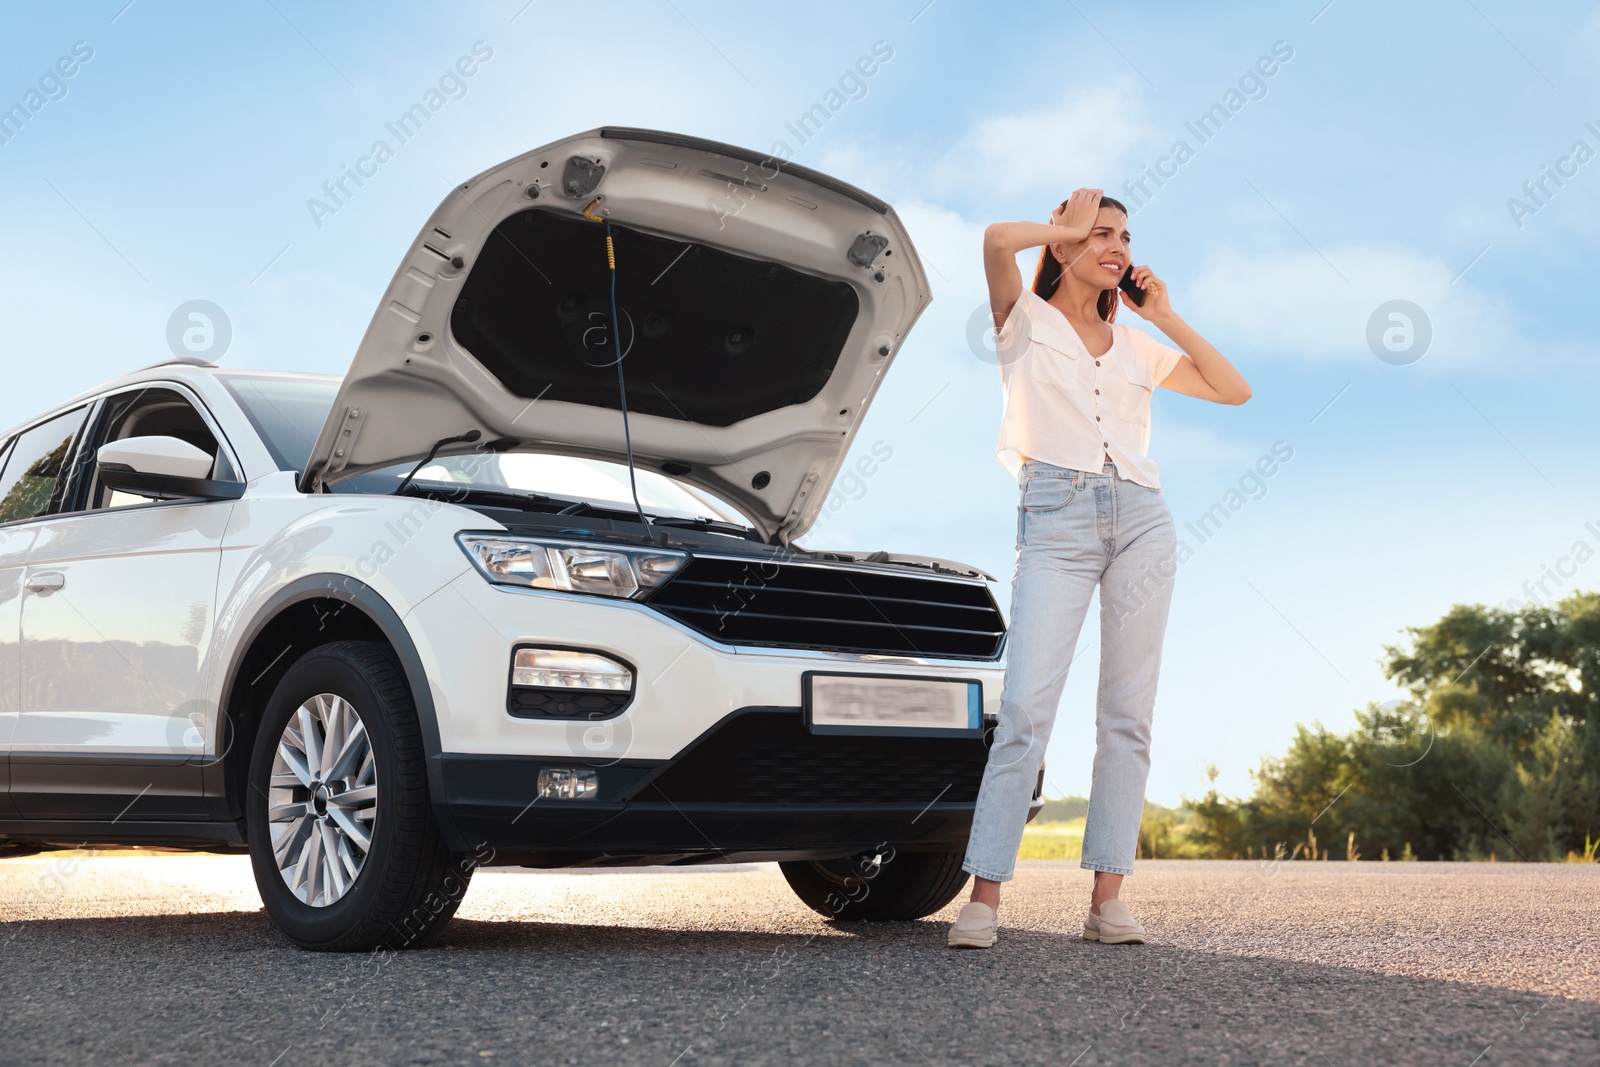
column 1055, row 363
column 1135, row 404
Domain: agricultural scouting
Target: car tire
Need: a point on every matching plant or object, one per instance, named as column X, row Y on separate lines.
column 406, row 884
column 885, row 886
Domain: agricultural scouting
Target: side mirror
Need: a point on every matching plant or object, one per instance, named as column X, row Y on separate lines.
column 163, row 468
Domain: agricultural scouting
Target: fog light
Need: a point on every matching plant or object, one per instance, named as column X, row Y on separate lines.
column 568, row 783
column 555, row 668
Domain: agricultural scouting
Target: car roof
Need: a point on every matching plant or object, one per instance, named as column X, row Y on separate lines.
column 184, row 368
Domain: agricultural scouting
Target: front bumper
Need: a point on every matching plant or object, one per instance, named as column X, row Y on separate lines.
column 758, row 786
column 710, row 761
column 685, row 682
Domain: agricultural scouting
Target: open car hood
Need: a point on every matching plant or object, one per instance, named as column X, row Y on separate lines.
column 759, row 305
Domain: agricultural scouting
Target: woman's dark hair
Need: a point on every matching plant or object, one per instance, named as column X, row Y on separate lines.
column 1048, row 274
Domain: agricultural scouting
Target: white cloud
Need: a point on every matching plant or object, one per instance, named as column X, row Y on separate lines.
column 1281, row 303
column 950, row 247
column 1296, row 304
column 1291, row 303
column 1082, row 140
column 1053, row 150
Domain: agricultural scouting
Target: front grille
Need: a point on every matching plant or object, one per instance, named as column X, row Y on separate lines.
column 769, row 757
column 794, row 605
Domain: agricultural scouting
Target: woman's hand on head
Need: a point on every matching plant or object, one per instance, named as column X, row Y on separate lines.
column 1078, row 213
column 1156, row 301
column 1069, row 226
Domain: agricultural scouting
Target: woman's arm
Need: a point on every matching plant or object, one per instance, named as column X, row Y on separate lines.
column 1003, row 240
column 1203, row 372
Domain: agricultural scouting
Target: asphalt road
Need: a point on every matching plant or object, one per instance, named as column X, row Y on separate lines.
column 135, row 960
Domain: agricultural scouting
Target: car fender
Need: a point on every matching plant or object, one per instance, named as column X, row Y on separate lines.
column 364, row 598
column 328, row 552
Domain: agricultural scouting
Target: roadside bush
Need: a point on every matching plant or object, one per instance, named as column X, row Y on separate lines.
column 1493, row 753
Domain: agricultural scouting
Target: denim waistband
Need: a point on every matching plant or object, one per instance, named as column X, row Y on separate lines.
column 1040, row 469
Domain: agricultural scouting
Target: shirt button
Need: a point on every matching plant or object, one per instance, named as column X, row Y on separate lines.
column 1097, row 392
column 1097, row 363
column 1097, row 418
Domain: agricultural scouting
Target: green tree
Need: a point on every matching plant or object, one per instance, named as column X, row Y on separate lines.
column 1494, row 750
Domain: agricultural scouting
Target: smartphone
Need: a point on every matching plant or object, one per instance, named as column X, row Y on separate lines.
column 1135, row 293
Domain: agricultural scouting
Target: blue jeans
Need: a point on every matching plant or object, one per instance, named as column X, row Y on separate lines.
column 1076, row 530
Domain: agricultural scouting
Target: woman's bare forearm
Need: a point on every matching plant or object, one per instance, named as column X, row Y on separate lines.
column 1069, row 224
column 1222, row 376
column 1010, row 238
column 1001, row 243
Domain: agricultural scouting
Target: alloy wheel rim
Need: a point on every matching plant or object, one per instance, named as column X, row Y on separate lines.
column 322, row 801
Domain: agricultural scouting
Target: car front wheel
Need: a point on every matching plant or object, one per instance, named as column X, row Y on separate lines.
column 880, row 885
column 342, row 838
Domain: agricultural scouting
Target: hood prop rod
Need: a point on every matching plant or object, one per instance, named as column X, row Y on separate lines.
column 469, row 436
column 622, row 385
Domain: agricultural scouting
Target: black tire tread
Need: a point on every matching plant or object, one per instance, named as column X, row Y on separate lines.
column 911, row 886
column 420, row 863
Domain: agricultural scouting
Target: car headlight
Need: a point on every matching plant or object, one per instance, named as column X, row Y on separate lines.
column 571, row 566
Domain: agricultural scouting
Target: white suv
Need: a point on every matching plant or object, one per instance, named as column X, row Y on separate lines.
column 465, row 605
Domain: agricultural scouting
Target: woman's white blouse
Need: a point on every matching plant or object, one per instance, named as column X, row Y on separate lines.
column 1067, row 408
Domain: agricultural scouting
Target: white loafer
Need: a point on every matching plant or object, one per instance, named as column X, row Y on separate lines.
column 1115, row 925
column 976, row 926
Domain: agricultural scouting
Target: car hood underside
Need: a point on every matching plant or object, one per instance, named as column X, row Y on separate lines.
column 757, row 307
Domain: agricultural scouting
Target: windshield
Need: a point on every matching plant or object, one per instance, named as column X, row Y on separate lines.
column 288, row 413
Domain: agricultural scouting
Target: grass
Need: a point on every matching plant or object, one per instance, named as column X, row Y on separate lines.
column 1053, row 840
column 1057, row 833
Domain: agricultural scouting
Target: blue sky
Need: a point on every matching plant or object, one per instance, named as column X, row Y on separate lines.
column 1374, row 164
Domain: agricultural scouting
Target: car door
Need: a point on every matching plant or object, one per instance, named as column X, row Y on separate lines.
column 116, row 617
column 14, row 545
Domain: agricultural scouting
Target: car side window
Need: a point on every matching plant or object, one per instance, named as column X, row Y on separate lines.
column 32, row 478
column 151, row 413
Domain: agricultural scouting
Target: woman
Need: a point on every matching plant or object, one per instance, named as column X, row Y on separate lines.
column 1075, row 433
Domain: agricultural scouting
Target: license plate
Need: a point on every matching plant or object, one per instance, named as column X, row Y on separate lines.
column 902, row 705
